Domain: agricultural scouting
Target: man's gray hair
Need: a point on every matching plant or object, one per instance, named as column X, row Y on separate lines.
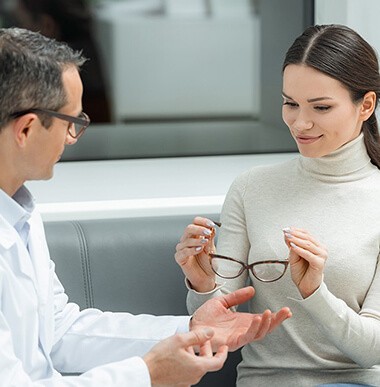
column 31, row 67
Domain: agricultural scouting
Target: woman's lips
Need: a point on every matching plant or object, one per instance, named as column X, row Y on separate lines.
column 307, row 139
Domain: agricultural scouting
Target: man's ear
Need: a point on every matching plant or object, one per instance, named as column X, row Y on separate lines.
column 24, row 127
column 368, row 105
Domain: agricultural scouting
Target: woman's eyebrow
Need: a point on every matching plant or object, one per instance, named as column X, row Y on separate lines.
column 286, row 96
column 310, row 99
column 318, row 99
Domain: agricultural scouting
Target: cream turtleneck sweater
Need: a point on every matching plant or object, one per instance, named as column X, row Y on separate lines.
column 334, row 335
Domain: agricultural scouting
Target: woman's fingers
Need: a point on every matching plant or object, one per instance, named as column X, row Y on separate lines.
column 298, row 232
column 315, row 261
column 183, row 255
column 192, row 242
column 197, row 237
column 195, row 248
column 194, row 230
column 308, row 246
column 298, row 238
column 307, row 258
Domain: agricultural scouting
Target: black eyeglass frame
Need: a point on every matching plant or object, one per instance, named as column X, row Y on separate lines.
column 84, row 122
column 250, row 267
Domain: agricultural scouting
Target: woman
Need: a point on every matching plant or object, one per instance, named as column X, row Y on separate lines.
column 320, row 211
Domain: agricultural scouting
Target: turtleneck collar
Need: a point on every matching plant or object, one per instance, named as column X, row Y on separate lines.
column 349, row 162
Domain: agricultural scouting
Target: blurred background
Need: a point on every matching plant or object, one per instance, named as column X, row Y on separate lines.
column 174, row 77
column 183, row 95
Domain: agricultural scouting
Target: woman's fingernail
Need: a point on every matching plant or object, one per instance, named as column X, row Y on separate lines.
column 210, row 223
column 287, row 230
column 204, row 240
column 206, row 231
column 287, row 235
column 292, row 244
column 199, row 248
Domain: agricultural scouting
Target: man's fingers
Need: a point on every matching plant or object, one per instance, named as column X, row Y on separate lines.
column 197, row 337
column 206, row 349
column 216, row 362
column 279, row 317
column 238, row 297
column 222, row 353
column 264, row 326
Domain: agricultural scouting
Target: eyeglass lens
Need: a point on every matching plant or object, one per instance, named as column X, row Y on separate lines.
column 269, row 272
column 75, row 130
column 229, row 268
column 226, row 268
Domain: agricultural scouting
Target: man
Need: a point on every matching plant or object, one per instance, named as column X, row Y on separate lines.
column 41, row 334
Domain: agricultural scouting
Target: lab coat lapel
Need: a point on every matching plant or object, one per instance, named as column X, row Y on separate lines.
column 36, row 270
column 44, row 281
column 10, row 240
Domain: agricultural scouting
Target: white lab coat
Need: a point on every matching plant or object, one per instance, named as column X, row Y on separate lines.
column 41, row 333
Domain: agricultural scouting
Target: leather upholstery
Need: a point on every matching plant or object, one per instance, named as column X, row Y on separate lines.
column 127, row 265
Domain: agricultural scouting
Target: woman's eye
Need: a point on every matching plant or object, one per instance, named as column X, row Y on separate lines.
column 291, row 104
column 322, row 108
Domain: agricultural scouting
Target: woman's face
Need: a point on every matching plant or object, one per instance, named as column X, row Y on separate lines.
column 319, row 111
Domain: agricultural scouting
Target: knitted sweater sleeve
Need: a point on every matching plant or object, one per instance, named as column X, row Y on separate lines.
column 357, row 335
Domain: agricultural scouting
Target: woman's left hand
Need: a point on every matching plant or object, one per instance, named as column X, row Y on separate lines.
column 307, row 258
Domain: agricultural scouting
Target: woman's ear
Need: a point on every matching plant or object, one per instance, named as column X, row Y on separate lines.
column 23, row 128
column 368, row 105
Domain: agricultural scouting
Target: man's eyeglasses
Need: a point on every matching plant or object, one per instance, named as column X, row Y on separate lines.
column 265, row 271
column 77, row 125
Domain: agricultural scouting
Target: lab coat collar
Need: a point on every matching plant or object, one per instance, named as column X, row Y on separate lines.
column 17, row 210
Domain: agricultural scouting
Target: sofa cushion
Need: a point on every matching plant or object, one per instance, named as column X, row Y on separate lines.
column 127, row 265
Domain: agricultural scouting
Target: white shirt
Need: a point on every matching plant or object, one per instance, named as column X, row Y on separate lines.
column 42, row 334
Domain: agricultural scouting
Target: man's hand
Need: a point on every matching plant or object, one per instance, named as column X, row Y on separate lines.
column 236, row 329
column 173, row 361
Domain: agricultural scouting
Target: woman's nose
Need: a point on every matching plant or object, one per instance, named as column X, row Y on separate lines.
column 303, row 122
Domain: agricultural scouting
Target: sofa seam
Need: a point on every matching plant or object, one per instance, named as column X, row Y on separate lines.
column 84, row 263
column 88, row 260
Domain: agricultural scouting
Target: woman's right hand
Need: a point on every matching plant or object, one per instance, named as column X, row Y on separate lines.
column 192, row 254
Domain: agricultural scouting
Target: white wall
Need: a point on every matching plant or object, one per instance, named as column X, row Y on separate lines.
column 146, row 187
column 362, row 16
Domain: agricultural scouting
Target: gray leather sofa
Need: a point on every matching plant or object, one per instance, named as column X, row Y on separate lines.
column 127, row 265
